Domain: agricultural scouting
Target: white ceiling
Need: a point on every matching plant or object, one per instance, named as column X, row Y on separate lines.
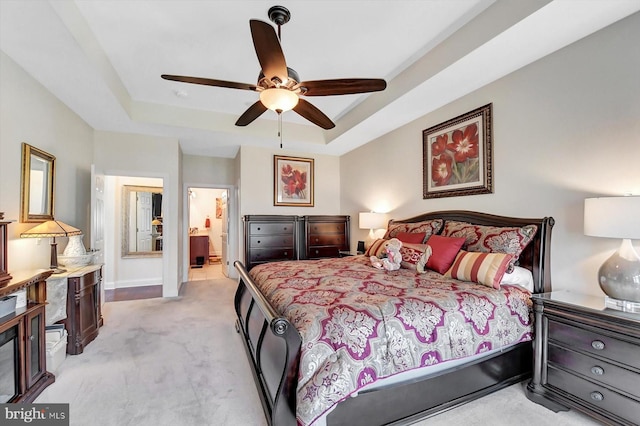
column 104, row 58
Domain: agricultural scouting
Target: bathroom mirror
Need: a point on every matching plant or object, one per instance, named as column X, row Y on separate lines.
column 141, row 221
column 36, row 195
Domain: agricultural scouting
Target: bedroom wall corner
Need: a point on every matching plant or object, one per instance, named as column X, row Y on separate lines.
column 32, row 114
column 565, row 128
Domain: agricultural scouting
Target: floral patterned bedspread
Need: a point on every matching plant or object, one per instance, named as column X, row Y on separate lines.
column 359, row 324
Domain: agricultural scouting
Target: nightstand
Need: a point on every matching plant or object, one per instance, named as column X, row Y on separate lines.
column 586, row 357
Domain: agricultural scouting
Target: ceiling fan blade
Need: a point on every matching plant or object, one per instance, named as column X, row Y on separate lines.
column 313, row 114
column 268, row 50
column 210, row 82
column 251, row 114
column 342, row 86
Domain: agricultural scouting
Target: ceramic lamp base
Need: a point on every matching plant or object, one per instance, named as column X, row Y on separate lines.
column 619, row 276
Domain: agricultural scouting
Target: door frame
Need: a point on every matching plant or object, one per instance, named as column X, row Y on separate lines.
column 233, row 231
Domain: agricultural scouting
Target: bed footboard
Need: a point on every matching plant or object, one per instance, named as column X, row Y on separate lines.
column 273, row 348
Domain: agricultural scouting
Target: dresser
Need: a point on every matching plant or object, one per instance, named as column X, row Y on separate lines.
column 269, row 238
column 23, row 371
column 586, row 357
column 272, row 238
column 84, row 313
column 325, row 236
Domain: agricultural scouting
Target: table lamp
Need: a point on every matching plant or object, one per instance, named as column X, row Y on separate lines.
column 52, row 229
column 372, row 221
column 617, row 217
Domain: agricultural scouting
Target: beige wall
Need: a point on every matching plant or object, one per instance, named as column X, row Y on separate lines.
column 565, row 128
column 208, row 170
column 156, row 157
column 31, row 114
column 256, row 175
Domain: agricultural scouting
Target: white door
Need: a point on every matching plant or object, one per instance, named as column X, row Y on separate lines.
column 97, row 215
column 144, row 213
column 225, row 233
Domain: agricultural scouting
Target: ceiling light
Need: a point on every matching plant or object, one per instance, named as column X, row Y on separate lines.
column 279, row 100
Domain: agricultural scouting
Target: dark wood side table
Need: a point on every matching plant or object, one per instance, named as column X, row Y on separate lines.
column 586, row 357
column 84, row 307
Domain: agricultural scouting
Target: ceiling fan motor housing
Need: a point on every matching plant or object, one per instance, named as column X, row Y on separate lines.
column 292, row 81
column 279, row 15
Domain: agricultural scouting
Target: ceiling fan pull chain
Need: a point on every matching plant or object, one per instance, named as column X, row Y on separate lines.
column 280, row 128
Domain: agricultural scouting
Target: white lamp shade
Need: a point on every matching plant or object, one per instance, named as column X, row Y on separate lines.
column 612, row 217
column 371, row 220
column 277, row 99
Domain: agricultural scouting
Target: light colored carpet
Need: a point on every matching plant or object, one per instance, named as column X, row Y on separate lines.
column 180, row 361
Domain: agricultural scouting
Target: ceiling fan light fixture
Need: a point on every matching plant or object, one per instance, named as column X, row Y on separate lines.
column 279, row 100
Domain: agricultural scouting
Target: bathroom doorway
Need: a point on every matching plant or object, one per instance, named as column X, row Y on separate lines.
column 208, row 210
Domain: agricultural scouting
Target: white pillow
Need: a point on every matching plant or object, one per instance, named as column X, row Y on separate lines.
column 520, row 276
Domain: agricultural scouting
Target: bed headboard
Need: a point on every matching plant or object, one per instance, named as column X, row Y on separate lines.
column 535, row 257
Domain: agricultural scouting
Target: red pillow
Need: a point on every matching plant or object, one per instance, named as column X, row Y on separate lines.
column 411, row 237
column 444, row 252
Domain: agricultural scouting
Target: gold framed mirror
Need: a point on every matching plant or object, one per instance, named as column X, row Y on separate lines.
column 37, row 193
column 141, row 221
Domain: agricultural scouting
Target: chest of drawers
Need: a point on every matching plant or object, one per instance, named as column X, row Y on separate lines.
column 325, row 236
column 270, row 238
column 587, row 357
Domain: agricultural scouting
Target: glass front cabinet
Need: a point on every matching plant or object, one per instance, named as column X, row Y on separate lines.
column 23, row 369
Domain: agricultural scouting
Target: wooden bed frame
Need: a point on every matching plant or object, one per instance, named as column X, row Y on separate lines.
column 273, row 348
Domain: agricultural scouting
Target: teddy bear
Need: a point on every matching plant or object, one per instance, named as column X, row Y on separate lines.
column 391, row 256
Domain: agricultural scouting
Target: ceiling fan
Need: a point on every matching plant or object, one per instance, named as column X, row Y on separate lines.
column 279, row 86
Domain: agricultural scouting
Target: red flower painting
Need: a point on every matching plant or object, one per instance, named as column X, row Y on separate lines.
column 294, row 180
column 457, row 155
column 456, row 161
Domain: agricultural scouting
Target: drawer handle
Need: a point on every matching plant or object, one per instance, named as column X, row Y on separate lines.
column 286, row 253
column 317, row 240
column 597, row 345
column 259, row 228
column 597, row 370
column 317, row 252
column 285, row 228
column 597, row 396
column 258, row 241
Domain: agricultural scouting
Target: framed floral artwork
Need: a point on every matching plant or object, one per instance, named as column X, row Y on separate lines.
column 457, row 156
column 293, row 181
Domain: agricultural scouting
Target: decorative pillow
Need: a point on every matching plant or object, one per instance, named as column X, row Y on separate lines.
column 444, row 251
column 429, row 227
column 520, row 276
column 492, row 239
column 376, row 248
column 411, row 237
column 413, row 256
column 482, row 268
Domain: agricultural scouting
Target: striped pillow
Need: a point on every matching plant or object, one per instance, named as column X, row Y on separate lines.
column 482, row 268
column 377, row 248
